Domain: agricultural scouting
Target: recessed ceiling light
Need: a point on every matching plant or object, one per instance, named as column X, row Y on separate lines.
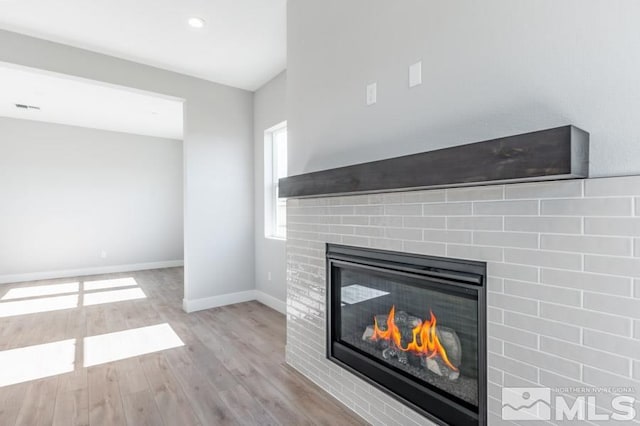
column 196, row 22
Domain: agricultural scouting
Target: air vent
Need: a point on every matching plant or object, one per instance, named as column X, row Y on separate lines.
column 24, row 106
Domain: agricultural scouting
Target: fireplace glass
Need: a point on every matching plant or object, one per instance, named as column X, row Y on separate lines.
column 419, row 322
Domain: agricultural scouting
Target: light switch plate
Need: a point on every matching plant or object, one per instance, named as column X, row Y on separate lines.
column 372, row 93
column 415, row 74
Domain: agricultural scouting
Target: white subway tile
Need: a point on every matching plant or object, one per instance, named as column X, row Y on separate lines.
column 599, row 377
column 495, row 284
column 624, row 227
column 476, row 193
column 369, row 231
column 341, row 210
column 447, row 209
column 426, row 222
column 494, row 375
column 585, row 355
column 427, row 248
column 586, row 318
column 404, row 233
column 506, row 239
column 533, row 299
column 495, row 345
column 626, row 306
column 611, row 343
column 403, row 210
column 547, row 224
column 513, row 381
column 495, row 315
column 475, row 252
column 506, row 208
column 516, row 272
column 514, row 335
column 587, row 281
column 627, row 266
column 386, row 244
column 542, row 326
column 480, row 223
column 355, row 220
column 395, row 221
column 611, row 187
column 549, row 259
column 463, row 237
column 392, row 198
column 352, row 240
column 545, row 360
column 587, row 207
column 587, row 244
column 512, row 303
column 513, row 366
column 430, row 196
column 542, row 190
column 545, row 293
column 342, row 229
column 369, row 210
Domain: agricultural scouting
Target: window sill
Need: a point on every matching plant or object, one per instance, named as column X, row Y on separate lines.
column 275, row 238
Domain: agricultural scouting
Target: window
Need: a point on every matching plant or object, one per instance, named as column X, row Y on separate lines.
column 275, row 156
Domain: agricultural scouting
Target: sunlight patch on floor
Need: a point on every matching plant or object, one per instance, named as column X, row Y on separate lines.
column 33, row 306
column 106, row 284
column 41, row 290
column 37, row 362
column 110, row 347
column 101, row 297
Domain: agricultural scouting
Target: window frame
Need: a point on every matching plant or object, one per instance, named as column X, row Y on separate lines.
column 271, row 184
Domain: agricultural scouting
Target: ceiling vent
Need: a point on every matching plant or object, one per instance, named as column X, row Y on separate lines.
column 24, row 106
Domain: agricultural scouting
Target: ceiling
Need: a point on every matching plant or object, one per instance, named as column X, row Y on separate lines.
column 243, row 43
column 72, row 101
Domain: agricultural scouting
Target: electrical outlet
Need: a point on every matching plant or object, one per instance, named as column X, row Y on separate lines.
column 372, row 93
column 268, row 276
column 103, row 254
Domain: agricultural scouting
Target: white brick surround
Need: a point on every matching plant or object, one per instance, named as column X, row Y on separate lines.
column 563, row 262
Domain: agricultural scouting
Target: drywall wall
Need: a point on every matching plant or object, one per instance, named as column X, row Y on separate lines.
column 270, row 254
column 69, row 193
column 491, row 68
column 218, row 162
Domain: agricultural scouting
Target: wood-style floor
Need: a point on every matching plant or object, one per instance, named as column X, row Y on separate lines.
column 230, row 371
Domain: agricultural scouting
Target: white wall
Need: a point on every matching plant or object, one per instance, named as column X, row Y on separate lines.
column 268, row 110
column 218, row 161
column 70, row 192
column 490, row 68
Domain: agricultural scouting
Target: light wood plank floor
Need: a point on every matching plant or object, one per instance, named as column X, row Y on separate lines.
column 231, row 370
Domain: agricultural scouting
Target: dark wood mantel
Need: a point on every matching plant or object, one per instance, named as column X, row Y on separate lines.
column 559, row 153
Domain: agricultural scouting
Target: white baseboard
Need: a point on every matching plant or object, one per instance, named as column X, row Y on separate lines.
column 216, row 301
column 48, row 275
column 195, row 305
column 272, row 302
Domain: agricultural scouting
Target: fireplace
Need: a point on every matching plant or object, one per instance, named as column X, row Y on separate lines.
column 412, row 325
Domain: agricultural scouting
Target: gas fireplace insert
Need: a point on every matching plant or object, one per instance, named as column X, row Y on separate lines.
column 412, row 325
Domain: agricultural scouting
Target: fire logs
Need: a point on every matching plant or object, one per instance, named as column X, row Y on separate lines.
column 407, row 338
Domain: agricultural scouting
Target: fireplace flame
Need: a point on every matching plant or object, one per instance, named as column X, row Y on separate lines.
column 425, row 340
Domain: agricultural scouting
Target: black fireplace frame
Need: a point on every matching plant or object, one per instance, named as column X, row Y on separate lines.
column 429, row 402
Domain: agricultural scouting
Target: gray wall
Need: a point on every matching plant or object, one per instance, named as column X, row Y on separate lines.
column 490, row 68
column 218, row 159
column 268, row 110
column 68, row 193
